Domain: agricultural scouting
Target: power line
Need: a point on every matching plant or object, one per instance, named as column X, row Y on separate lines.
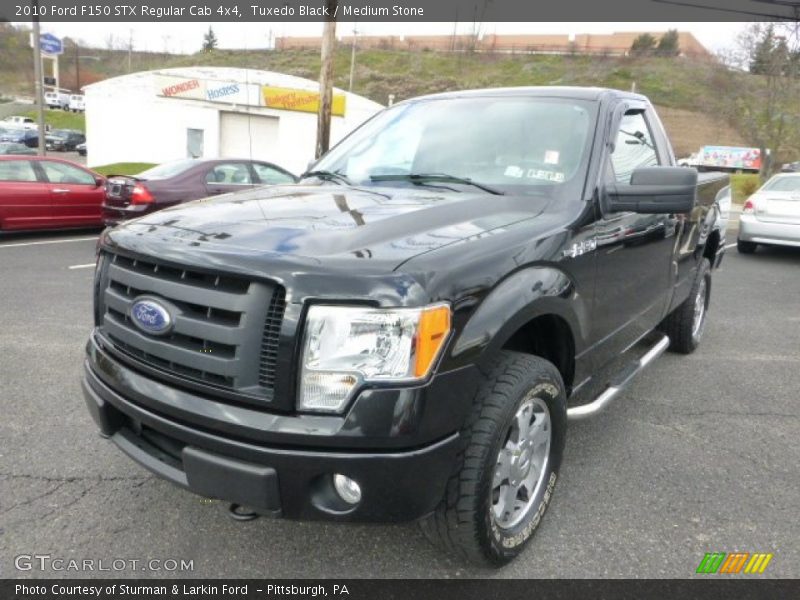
column 795, row 6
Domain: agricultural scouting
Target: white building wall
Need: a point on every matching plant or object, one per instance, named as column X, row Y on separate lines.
column 126, row 121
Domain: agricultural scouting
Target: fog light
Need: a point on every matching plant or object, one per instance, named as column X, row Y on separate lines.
column 348, row 490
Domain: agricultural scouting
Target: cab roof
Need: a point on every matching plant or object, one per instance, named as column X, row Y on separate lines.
column 575, row 92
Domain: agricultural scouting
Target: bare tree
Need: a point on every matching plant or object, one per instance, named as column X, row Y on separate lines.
column 764, row 105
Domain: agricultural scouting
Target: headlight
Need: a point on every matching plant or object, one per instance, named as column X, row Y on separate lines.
column 345, row 346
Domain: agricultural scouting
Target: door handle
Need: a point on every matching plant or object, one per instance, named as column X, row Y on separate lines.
column 60, row 191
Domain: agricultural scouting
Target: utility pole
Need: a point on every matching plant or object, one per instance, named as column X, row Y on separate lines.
column 77, row 68
column 130, row 48
column 326, row 81
column 37, row 74
column 353, row 58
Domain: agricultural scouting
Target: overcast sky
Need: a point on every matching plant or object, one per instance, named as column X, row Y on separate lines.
column 187, row 37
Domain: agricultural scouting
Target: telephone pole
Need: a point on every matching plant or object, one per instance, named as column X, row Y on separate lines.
column 326, row 82
column 353, row 58
column 37, row 74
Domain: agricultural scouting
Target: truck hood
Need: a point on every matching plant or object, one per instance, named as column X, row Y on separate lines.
column 328, row 222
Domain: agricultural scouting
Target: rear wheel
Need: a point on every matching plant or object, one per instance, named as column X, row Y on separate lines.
column 686, row 324
column 507, row 470
column 746, row 247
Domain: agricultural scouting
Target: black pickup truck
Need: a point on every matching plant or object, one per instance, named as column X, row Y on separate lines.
column 405, row 333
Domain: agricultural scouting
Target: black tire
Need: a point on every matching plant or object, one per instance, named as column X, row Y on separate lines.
column 744, row 247
column 465, row 522
column 680, row 325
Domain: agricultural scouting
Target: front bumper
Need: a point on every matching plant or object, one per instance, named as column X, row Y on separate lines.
column 281, row 479
column 762, row 232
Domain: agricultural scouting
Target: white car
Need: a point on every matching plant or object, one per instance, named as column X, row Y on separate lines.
column 771, row 215
column 77, row 103
column 20, row 122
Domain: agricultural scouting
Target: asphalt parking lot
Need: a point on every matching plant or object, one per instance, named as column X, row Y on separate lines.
column 700, row 455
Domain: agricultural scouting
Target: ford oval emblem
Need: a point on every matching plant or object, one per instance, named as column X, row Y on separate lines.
column 150, row 316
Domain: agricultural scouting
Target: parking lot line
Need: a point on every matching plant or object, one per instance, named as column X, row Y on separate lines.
column 729, row 246
column 47, row 242
column 86, row 266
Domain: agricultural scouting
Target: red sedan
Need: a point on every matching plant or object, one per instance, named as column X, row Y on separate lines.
column 48, row 193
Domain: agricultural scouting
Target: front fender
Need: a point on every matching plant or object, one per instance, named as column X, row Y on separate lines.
column 524, row 295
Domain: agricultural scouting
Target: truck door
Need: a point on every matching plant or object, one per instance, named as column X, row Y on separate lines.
column 634, row 251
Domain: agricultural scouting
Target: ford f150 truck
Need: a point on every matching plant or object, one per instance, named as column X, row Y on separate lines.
column 404, row 334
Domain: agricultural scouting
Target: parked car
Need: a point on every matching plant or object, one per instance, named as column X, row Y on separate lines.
column 404, row 334
column 18, row 135
column 183, row 180
column 21, row 122
column 14, row 148
column 56, row 100
column 48, row 193
column 792, row 167
column 771, row 215
column 81, row 149
column 64, row 140
column 77, row 103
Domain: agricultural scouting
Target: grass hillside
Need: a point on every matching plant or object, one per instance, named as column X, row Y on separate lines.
column 684, row 90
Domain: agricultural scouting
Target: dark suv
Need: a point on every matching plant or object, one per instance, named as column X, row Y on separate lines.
column 405, row 332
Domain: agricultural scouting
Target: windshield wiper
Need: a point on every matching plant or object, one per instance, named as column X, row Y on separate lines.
column 434, row 177
column 327, row 176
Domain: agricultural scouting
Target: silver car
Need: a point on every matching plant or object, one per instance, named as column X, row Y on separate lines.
column 771, row 215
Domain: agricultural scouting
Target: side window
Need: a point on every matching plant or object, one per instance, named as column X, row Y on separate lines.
column 267, row 174
column 229, row 174
column 17, row 170
column 634, row 147
column 61, row 173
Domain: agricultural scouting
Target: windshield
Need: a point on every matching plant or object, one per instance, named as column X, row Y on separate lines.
column 783, row 184
column 168, row 169
column 514, row 144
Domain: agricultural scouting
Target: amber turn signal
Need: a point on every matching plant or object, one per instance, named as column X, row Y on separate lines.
column 434, row 326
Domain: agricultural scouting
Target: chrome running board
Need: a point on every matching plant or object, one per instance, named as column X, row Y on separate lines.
column 619, row 384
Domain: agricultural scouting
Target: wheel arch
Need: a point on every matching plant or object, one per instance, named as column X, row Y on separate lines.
column 536, row 311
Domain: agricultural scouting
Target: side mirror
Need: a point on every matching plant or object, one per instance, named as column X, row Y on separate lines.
column 654, row 190
column 99, row 181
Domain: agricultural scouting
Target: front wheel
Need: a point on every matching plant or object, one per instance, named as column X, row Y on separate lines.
column 507, row 470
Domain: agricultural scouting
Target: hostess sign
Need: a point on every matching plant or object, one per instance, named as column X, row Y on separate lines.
column 246, row 94
column 227, row 92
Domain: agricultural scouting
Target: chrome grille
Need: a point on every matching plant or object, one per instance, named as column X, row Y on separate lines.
column 209, row 342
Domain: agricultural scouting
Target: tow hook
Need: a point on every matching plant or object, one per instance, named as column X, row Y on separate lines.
column 239, row 513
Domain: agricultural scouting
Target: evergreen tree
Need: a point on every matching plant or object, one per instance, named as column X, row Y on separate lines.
column 669, row 44
column 644, row 45
column 209, row 40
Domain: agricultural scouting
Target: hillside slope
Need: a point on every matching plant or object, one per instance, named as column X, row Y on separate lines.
column 680, row 88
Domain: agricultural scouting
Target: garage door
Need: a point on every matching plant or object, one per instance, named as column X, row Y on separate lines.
column 248, row 136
